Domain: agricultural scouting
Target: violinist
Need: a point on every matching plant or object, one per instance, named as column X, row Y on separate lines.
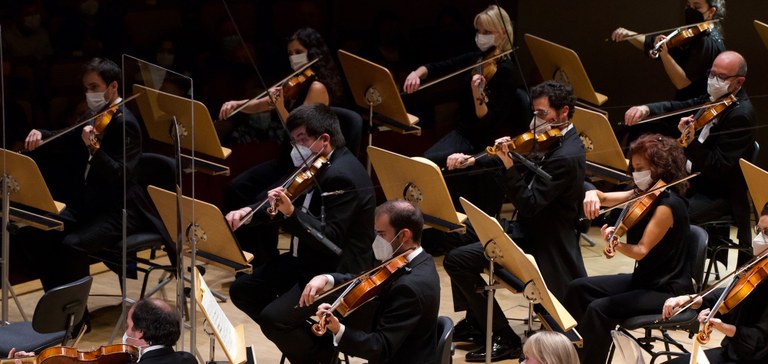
column 153, row 326
column 655, row 242
column 93, row 218
column 404, row 325
column 715, row 151
column 487, row 104
column 304, row 45
column 344, row 218
column 685, row 65
column 746, row 326
column 547, row 213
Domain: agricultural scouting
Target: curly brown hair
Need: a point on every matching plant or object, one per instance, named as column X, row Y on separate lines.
column 666, row 159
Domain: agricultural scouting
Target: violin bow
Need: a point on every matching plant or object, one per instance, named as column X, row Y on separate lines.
column 94, row 117
column 719, row 283
column 646, row 193
column 300, row 70
column 665, row 30
column 430, row 83
column 677, row 112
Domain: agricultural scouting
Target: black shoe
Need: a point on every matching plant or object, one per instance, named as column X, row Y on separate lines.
column 464, row 331
column 502, row 348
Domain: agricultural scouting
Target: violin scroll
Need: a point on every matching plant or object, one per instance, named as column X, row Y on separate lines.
column 705, row 333
column 319, row 328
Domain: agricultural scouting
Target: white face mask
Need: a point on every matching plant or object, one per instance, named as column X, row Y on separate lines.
column 759, row 244
column 485, row 41
column 382, row 249
column 642, row 179
column 716, row 88
column 539, row 125
column 165, row 59
column 298, row 60
column 95, row 100
column 300, row 154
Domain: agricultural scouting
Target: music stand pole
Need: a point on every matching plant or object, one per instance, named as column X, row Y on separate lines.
column 491, row 293
column 6, row 247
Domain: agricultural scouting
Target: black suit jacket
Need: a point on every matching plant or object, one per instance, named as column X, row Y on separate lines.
column 167, row 355
column 405, row 323
column 348, row 219
column 548, row 211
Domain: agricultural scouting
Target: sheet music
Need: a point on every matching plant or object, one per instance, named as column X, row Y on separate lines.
column 217, row 319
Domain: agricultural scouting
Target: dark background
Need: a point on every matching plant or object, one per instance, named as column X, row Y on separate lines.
column 45, row 91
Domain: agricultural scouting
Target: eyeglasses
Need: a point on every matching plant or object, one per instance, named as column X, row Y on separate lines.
column 721, row 76
column 759, row 230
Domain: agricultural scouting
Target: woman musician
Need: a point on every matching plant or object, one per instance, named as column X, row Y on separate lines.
column 487, row 103
column 656, row 242
column 746, row 326
column 685, row 65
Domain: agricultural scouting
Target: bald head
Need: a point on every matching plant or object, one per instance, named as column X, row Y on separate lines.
column 730, row 66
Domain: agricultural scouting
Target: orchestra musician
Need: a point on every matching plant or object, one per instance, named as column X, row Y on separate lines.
column 686, row 65
column 345, row 218
column 403, row 327
column 153, row 327
column 720, row 190
column 93, row 218
column 655, row 242
column 305, row 45
column 548, row 211
column 746, row 326
column 487, row 106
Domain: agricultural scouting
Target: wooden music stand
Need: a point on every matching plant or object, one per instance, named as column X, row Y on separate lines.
column 374, row 89
column 23, row 184
column 215, row 242
column 561, row 64
column 230, row 337
column 158, row 110
column 500, row 248
column 419, row 181
column 755, row 177
column 604, row 155
column 762, row 30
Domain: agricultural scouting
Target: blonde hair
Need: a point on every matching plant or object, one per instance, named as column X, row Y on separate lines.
column 551, row 348
column 496, row 19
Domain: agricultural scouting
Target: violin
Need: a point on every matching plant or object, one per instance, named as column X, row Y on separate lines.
column 300, row 181
column 294, row 85
column 100, row 124
column 363, row 289
column 525, row 143
column 631, row 214
column 488, row 69
column 704, row 117
column 755, row 273
column 682, row 36
column 109, row 354
column 295, row 185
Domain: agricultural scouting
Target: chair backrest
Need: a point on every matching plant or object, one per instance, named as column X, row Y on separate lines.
column 351, row 124
column 444, row 339
column 158, row 170
column 62, row 307
column 697, row 241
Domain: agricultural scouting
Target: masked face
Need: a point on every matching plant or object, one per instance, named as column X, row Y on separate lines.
column 693, row 16
column 759, row 244
column 642, row 179
column 297, row 60
column 299, row 154
column 485, row 41
column 382, row 249
column 539, row 125
column 716, row 87
column 96, row 100
column 165, row 59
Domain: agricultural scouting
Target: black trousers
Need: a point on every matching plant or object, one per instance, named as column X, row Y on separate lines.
column 600, row 303
column 464, row 265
